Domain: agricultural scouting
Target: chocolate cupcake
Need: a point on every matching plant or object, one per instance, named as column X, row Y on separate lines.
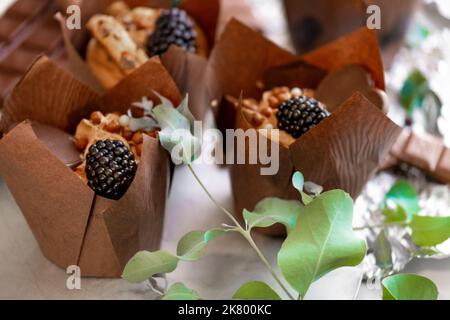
column 123, row 39
column 91, row 183
column 328, row 107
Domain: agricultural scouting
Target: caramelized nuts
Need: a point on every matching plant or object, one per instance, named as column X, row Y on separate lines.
column 152, row 134
column 139, row 149
column 81, row 143
column 284, row 97
column 137, row 112
column 127, row 134
column 138, row 138
column 257, row 119
column 267, row 112
column 113, row 126
column 249, row 104
column 96, row 117
column 274, row 102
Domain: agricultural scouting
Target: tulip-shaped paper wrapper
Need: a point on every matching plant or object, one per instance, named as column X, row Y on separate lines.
column 72, row 225
column 344, row 150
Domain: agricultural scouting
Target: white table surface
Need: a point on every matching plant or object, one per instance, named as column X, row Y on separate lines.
column 26, row 274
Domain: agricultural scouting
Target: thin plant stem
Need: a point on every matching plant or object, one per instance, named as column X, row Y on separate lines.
column 216, row 203
column 358, row 288
column 252, row 243
column 243, row 232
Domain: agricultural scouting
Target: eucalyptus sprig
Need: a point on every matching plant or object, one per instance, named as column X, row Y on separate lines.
column 401, row 208
column 320, row 237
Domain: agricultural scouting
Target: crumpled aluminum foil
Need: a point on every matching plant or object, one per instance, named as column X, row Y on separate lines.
column 391, row 249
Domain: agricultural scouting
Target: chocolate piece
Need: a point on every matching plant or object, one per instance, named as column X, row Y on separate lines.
column 443, row 168
column 9, row 27
column 423, row 151
column 25, row 8
column 338, row 86
column 400, row 144
column 60, row 143
column 45, row 38
column 27, row 29
column 19, row 60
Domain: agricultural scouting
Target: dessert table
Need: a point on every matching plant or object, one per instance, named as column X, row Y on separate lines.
column 26, row 274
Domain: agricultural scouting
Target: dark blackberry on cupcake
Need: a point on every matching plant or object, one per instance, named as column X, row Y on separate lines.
column 125, row 38
column 298, row 115
column 293, row 111
column 173, row 27
column 110, row 168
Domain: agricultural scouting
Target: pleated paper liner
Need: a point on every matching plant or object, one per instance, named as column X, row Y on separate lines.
column 72, row 225
column 242, row 56
column 187, row 69
column 343, row 152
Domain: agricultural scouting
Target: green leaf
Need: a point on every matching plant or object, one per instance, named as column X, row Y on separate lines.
column 383, row 251
column 394, row 215
column 298, row 181
column 146, row 264
column 409, row 287
column 430, row 231
column 179, row 291
column 414, row 90
column 271, row 211
column 404, row 194
column 256, row 290
column 322, row 240
column 193, row 245
column 312, row 188
column 176, row 130
column 427, row 252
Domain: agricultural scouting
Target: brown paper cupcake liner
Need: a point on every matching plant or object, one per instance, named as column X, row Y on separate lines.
column 343, row 151
column 72, row 225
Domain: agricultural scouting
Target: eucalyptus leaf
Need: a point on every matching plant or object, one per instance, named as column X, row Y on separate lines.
column 396, row 214
column 425, row 252
column 176, row 130
column 145, row 264
column 409, row 287
column 193, row 245
column 322, row 241
column 414, row 90
column 256, row 290
column 179, row 291
column 430, row 231
column 313, row 188
column 271, row 211
column 383, row 251
column 298, row 181
column 404, row 195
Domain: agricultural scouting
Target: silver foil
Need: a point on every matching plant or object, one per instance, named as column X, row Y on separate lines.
column 391, row 249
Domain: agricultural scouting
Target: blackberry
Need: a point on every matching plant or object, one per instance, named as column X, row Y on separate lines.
column 110, row 168
column 172, row 27
column 299, row 115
